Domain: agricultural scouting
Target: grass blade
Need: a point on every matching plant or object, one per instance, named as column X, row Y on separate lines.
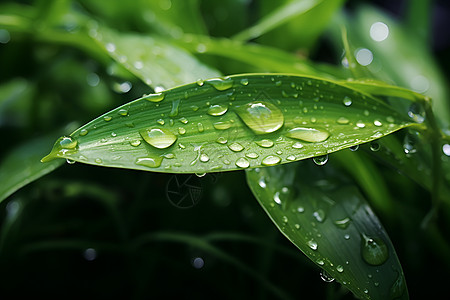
column 332, row 225
column 233, row 123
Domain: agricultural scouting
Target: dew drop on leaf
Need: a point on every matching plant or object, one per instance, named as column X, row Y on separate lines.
column 221, row 84
column 83, row 132
column 354, row 148
column 158, row 137
column 151, row 162
column 319, row 215
column 312, row 135
column 236, row 147
column 324, row 275
column 373, row 250
column 217, row 110
column 343, row 223
column 321, row 160
column 242, row 163
column 271, row 160
column 261, row 117
column 155, row 97
column 347, row 101
column 343, row 121
column 107, row 118
column 374, row 146
column 312, row 244
column 264, row 143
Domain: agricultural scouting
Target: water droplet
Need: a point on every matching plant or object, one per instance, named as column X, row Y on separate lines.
column 297, row 145
column 320, row 262
column 343, row 121
column 243, row 163
column 69, row 161
column 181, row 130
column 135, row 143
column 252, row 155
column 264, row 143
column 300, row 209
column 360, row 124
column 155, row 97
column 347, row 101
column 347, row 236
column 99, row 160
column 261, row 117
column 222, row 125
column 204, row 157
column 410, row 141
column 175, row 105
column 183, row 120
column 158, row 137
column 276, row 198
column 297, row 226
column 244, row 81
column 221, row 140
column 377, row 123
column 374, row 146
column 373, row 250
column 354, row 148
column 200, row 175
column 122, row 87
column 312, row 135
column 284, row 219
column 236, row 147
column 339, row 268
column 123, row 112
column 217, row 110
column 200, row 127
column 151, row 162
column 271, row 160
column 343, row 223
column 321, row 160
column 221, row 84
column 262, row 182
column 417, row 112
column 160, row 121
column 319, row 215
column 110, row 47
column 312, row 244
column 107, row 118
column 83, row 132
column 291, row 157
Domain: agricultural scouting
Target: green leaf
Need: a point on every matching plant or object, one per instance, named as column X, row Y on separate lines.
column 233, row 123
column 332, row 224
column 155, row 61
column 279, row 16
column 22, row 166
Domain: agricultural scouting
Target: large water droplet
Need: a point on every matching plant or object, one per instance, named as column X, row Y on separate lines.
column 347, row 101
column 175, row 106
column 319, row 215
column 271, row 160
column 398, row 288
column 321, row 160
column 343, row 223
column 217, row 110
column 312, row 244
column 374, row 146
column 222, row 125
column 265, row 143
column 155, row 97
column 325, row 276
column 242, row 163
column 417, row 112
column 312, row 135
column 221, row 84
column 373, row 250
column 261, row 117
column 343, row 121
column 236, row 147
column 339, row 268
column 151, row 162
column 158, row 137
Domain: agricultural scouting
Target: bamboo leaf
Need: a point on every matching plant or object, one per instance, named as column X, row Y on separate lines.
column 22, row 166
column 233, row 123
column 153, row 59
column 332, row 224
column 279, row 16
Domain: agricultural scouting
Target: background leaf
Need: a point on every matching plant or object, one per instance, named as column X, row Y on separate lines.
column 333, row 225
